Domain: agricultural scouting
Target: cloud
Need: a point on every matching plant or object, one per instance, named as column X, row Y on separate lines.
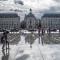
column 3, row 0
column 57, row 0
column 38, row 6
column 34, row 4
column 19, row 2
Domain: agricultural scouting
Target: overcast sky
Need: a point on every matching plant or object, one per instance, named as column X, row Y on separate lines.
column 38, row 6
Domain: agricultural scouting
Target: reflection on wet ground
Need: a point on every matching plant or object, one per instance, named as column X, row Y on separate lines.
column 24, row 57
column 30, row 38
column 13, row 38
column 5, row 55
column 52, row 38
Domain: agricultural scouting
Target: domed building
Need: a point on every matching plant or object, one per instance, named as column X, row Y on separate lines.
column 30, row 21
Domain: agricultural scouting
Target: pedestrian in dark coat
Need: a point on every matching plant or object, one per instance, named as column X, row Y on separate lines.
column 4, row 40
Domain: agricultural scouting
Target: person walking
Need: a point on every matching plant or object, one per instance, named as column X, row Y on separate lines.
column 42, row 31
column 39, row 31
column 4, row 40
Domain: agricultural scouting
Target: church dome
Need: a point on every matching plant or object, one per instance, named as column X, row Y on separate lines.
column 30, row 14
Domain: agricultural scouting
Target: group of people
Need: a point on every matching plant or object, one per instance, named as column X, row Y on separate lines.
column 4, row 40
column 41, row 33
column 41, row 30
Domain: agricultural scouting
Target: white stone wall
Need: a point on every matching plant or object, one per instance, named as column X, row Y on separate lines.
column 32, row 19
column 9, row 23
column 50, row 22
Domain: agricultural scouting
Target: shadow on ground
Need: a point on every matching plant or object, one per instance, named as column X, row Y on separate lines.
column 24, row 57
column 5, row 55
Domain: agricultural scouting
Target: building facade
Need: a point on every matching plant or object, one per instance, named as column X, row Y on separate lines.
column 30, row 20
column 9, row 21
column 51, row 21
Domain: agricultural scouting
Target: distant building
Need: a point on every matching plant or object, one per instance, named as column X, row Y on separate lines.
column 30, row 20
column 51, row 21
column 9, row 21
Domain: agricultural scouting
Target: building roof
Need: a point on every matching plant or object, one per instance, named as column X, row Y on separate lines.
column 8, row 15
column 30, row 15
column 51, row 15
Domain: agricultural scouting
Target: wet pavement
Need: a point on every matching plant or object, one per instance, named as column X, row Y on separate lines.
column 18, row 44
column 13, row 41
column 53, row 38
column 21, row 46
